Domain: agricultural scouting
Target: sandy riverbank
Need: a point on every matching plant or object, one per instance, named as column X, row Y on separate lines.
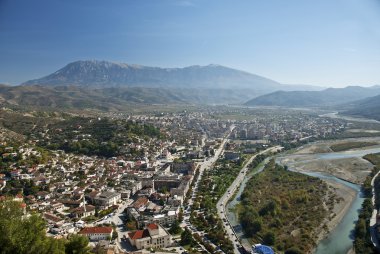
column 324, row 146
column 343, row 197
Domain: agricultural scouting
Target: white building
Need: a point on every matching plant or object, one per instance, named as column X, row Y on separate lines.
column 97, row 233
column 153, row 236
column 107, row 199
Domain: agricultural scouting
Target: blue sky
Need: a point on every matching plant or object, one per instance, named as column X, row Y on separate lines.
column 324, row 42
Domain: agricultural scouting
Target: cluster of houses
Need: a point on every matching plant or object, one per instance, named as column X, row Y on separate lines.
column 294, row 128
column 70, row 191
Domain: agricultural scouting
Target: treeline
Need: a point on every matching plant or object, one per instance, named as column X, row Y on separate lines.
column 363, row 243
column 350, row 145
column 92, row 136
column 282, row 209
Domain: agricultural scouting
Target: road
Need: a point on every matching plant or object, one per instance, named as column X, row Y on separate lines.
column 372, row 222
column 117, row 218
column 203, row 166
column 221, row 205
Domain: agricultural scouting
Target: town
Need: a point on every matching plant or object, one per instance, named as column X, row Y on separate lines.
column 138, row 190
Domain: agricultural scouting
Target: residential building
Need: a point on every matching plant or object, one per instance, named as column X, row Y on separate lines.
column 97, row 233
column 153, row 236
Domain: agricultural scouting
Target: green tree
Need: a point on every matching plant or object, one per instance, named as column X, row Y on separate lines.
column 186, row 237
column 269, row 238
column 21, row 234
column 77, row 244
column 293, row 250
column 175, row 228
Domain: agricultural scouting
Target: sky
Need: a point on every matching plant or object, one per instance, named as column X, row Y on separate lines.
column 332, row 43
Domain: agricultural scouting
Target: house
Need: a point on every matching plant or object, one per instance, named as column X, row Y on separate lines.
column 140, row 203
column 15, row 174
column 51, row 218
column 43, row 195
column 153, row 236
column 80, row 212
column 107, row 199
column 97, row 233
column 57, row 206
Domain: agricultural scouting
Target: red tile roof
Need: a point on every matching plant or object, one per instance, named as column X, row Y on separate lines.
column 139, row 234
column 152, row 226
column 96, row 230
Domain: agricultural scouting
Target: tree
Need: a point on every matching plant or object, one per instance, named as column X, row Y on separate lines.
column 175, row 228
column 21, row 234
column 293, row 250
column 77, row 244
column 186, row 237
column 26, row 234
column 269, row 238
column 180, row 215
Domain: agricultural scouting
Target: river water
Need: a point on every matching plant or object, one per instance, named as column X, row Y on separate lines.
column 340, row 239
column 349, row 118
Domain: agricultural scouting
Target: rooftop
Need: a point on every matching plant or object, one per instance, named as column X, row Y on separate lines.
column 96, row 230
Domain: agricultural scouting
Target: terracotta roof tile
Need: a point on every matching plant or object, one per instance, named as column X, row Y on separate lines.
column 139, row 234
column 152, row 226
column 96, row 230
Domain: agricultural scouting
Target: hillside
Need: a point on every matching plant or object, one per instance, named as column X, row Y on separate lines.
column 109, row 74
column 327, row 97
column 368, row 108
column 113, row 98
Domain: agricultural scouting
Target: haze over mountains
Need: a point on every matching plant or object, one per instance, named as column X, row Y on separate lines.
column 327, row 97
column 368, row 107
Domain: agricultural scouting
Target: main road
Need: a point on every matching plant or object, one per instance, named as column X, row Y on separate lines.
column 207, row 164
column 221, row 205
column 372, row 223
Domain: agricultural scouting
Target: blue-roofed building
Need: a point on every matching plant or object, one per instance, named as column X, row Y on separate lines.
column 261, row 249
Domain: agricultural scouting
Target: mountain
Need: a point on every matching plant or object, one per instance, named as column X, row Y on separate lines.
column 327, row 97
column 108, row 74
column 368, row 108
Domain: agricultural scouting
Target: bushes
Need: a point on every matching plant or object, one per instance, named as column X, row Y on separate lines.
column 277, row 202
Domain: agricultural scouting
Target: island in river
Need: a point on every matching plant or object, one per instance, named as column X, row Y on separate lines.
column 343, row 172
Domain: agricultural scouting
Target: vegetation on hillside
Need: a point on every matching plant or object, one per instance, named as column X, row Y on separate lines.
column 283, row 208
column 103, row 137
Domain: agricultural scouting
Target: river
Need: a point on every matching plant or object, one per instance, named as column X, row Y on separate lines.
column 339, row 239
column 349, row 118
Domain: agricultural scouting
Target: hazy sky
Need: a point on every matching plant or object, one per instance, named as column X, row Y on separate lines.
column 324, row 42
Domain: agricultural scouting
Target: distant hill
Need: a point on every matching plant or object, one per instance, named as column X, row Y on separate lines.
column 368, row 108
column 327, row 97
column 108, row 74
column 113, row 98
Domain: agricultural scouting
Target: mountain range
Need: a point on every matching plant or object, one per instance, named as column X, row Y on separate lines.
column 108, row 74
column 106, row 85
column 368, row 107
column 325, row 98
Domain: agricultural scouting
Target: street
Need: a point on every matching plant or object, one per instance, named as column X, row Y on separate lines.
column 221, row 205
